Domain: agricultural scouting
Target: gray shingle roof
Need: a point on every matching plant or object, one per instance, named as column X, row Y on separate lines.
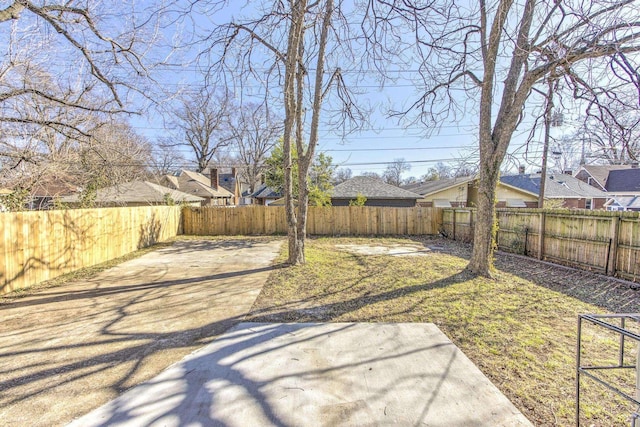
column 629, row 202
column 430, row 187
column 137, row 192
column 371, row 188
column 601, row 172
column 624, row 180
column 265, row 192
column 196, row 184
column 557, row 186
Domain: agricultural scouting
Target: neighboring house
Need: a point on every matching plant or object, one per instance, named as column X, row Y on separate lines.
column 232, row 182
column 621, row 182
column 598, row 175
column 624, row 203
column 463, row 192
column 137, row 193
column 566, row 190
column 377, row 193
column 443, row 193
column 197, row 184
column 47, row 190
column 282, row 202
column 265, row 195
column 625, row 182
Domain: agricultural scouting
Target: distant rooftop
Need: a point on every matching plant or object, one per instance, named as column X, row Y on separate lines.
column 429, row 187
column 557, row 186
column 371, row 188
column 137, row 192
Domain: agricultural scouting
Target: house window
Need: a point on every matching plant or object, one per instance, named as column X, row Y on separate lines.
column 516, row 203
column 588, row 203
column 441, row 203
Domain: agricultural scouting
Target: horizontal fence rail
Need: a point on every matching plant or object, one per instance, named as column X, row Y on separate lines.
column 601, row 241
column 321, row 221
column 36, row 246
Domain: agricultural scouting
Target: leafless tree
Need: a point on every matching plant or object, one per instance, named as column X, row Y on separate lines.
column 254, row 131
column 566, row 152
column 201, row 122
column 165, row 160
column 611, row 135
column 490, row 56
column 372, row 175
column 393, row 174
column 115, row 154
column 438, row 171
column 342, row 175
column 293, row 49
column 75, row 55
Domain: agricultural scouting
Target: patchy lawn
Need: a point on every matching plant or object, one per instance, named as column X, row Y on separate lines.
column 519, row 329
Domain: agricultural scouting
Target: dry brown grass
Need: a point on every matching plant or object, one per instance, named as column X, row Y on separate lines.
column 519, row 329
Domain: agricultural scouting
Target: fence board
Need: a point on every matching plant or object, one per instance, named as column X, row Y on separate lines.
column 40, row 245
column 585, row 239
column 321, row 221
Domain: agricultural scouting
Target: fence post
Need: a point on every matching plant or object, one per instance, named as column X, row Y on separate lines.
column 541, row 236
column 613, row 251
column 471, row 225
column 454, row 224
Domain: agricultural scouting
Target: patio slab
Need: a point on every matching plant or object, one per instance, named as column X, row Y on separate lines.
column 328, row 374
column 66, row 350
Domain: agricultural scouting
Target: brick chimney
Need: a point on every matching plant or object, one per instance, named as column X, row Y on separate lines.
column 214, row 179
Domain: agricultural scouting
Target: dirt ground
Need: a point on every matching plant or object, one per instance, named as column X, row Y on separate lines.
column 68, row 349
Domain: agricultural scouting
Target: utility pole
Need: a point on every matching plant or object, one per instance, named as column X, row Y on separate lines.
column 547, row 129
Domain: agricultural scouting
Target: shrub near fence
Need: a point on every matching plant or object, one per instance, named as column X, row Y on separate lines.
column 41, row 245
column 606, row 242
column 321, row 221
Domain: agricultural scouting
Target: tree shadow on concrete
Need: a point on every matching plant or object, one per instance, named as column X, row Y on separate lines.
column 217, row 386
column 100, row 336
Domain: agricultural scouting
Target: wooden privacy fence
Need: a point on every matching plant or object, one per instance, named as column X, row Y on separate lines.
column 322, row 221
column 606, row 242
column 40, row 245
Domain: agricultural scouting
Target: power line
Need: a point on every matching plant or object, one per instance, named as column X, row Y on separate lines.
column 397, row 149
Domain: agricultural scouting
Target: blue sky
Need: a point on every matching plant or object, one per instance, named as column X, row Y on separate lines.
column 384, row 138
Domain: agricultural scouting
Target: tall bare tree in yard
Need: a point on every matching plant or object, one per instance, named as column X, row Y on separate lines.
column 201, row 122
column 254, row 131
column 67, row 69
column 77, row 55
column 297, row 37
column 488, row 56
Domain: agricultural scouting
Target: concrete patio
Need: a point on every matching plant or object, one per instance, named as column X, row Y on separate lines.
column 330, row 374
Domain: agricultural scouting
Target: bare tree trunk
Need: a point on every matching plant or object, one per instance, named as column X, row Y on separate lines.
column 292, row 113
column 305, row 158
column 484, row 233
